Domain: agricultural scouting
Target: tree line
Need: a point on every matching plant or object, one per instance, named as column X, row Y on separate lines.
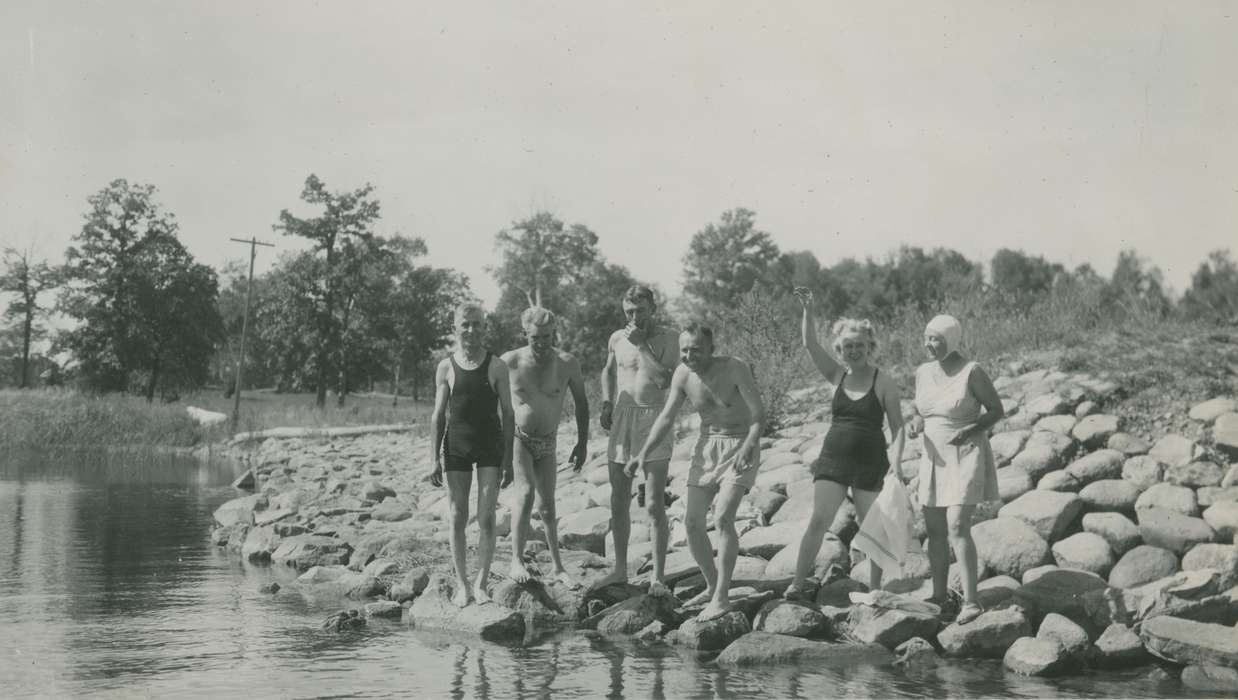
column 355, row 310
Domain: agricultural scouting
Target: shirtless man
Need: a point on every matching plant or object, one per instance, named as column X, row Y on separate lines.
column 639, row 362
column 541, row 375
column 472, row 427
column 726, row 458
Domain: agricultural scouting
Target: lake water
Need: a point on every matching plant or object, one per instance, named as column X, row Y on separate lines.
column 109, row 588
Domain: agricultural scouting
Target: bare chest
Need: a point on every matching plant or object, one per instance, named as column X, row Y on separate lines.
column 538, row 383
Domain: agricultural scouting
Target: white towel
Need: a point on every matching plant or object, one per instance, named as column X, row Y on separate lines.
column 888, row 533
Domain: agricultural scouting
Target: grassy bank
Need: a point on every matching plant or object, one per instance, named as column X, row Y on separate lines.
column 47, row 419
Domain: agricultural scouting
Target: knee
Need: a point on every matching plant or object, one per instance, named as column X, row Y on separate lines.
column 958, row 532
column 656, row 510
column 722, row 521
column 695, row 526
column 546, row 511
column 459, row 515
column 485, row 523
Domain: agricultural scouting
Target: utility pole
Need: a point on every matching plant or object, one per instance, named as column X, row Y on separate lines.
column 240, row 357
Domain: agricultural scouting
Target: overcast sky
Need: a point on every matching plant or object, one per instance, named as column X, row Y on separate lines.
column 1069, row 130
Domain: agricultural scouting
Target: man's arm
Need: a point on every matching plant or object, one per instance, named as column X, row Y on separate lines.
column 748, row 391
column 609, row 380
column 438, row 419
column 500, row 379
column 576, row 384
column 662, row 425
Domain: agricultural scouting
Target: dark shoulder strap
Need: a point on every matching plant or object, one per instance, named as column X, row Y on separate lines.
column 874, row 386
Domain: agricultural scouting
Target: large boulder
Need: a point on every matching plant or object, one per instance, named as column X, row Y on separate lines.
column 1008, row 444
column 1110, row 495
column 260, row 542
column 239, row 510
column 585, row 530
column 1060, row 480
column 1212, row 678
column 1190, row 642
column 1225, row 435
column 1102, row 464
column 1206, row 495
column 544, row 603
column 433, row 609
column 766, row 650
column 1029, row 656
column 1084, row 551
column 989, row 635
column 1221, row 558
column 304, row 551
column 1172, row 530
column 1010, row 546
column 715, row 634
column 630, row 616
column 1060, row 629
column 1050, row 513
column 1170, row 497
column 1143, row 564
column 1143, row 471
column 1173, row 450
column 765, row 542
column 1195, row 474
column 891, row 626
column 1208, row 411
column 1117, row 529
column 1223, row 518
column 1119, row 647
column 1095, row 430
column 791, row 618
column 1012, row 482
column 1061, row 591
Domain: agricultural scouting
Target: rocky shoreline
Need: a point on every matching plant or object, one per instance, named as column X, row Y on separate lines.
column 1107, row 549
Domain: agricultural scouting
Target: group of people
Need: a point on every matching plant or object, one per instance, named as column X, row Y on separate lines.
column 500, row 419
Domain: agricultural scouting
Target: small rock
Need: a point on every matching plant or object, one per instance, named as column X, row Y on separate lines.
column 410, row 585
column 1110, row 495
column 1073, row 638
column 1195, row 474
column 1095, row 430
column 1057, row 424
column 1225, row 435
column 1012, row 482
column 1128, row 444
column 385, row 609
column 1223, row 517
column 1208, row 411
column 1102, row 464
column 1222, row 558
column 1173, row 449
column 1084, row 551
column 1143, row 564
column 1119, row 647
column 989, row 635
column 1087, row 408
column 270, row 587
column 344, row 620
column 790, row 618
column 1143, row 471
column 1117, row 529
column 1050, row 513
column 1060, row 481
column 1211, row 678
column 1010, row 546
column 1211, row 495
column 916, row 651
column 1172, row 530
column 391, row 511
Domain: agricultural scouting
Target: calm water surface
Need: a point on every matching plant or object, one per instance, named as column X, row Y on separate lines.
column 109, row 588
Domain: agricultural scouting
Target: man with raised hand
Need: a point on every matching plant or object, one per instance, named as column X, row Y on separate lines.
column 725, row 460
column 541, row 376
column 640, row 360
column 472, row 425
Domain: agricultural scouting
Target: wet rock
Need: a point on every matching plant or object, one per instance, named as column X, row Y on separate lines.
column 1012, row 482
column 989, row 635
column 388, row 609
column 1211, row 678
column 1223, row 518
column 1010, row 545
column 763, row 649
column 1172, row 530
column 239, row 510
column 1119, row 647
column 1173, row 449
column 635, row 614
column 1073, row 639
column 221, row 536
column 1110, row 495
column 343, row 621
column 1208, row 411
column 1128, row 444
column 1060, row 592
column 1102, row 464
column 260, row 542
column 1189, row 642
column 1143, row 564
column 890, row 626
column 1119, row 532
column 1050, row 513
column 1029, row 656
column 433, row 609
column 1195, row 474
column 271, row 587
column 585, row 530
column 915, row 652
column 652, row 632
column 790, row 618
column 1170, row 497
column 391, row 511
column 1221, row 558
column 1084, row 551
column 715, row 634
column 305, row 551
column 765, row 542
column 1143, row 471
column 1095, row 430
column 410, row 585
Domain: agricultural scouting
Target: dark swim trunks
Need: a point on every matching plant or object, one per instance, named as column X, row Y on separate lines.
column 474, row 433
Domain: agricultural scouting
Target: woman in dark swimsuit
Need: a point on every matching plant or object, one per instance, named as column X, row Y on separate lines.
column 853, row 456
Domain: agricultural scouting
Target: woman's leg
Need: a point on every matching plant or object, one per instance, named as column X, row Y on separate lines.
column 863, row 501
column 826, row 498
column 958, row 522
column 938, row 550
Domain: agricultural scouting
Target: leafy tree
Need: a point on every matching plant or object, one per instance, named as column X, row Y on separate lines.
column 924, row 279
column 1021, row 274
column 1135, row 289
column 540, row 256
column 726, row 260
column 340, row 236
column 1213, row 295
column 147, row 311
column 26, row 279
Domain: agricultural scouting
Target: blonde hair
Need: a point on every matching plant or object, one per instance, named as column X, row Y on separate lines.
column 847, row 326
column 537, row 316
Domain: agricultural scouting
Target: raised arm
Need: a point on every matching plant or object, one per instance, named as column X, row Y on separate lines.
column 576, row 384
column 660, row 367
column 891, row 401
column 821, row 358
column 609, row 383
column 438, row 418
column 661, row 426
column 748, row 391
column 500, row 379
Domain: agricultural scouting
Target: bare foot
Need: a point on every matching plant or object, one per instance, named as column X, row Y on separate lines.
column 566, row 579
column 609, row 579
column 658, row 589
column 518, row 573
column 714, row 610
column 699, row 599
column 462, row 597
column 480, row 594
